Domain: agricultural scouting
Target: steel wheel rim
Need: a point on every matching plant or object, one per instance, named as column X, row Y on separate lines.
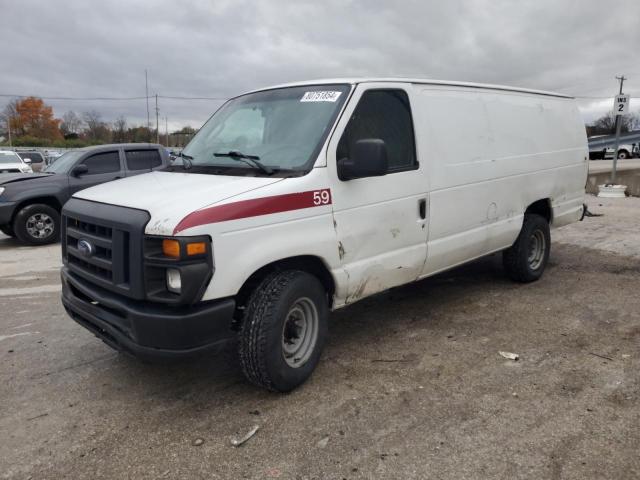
column 300, row 332
column 40, row 225
column 537, row 248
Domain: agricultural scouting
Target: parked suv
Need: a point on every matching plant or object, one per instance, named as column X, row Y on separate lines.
column 12, row 163
column 30, row 204
column 33, row 158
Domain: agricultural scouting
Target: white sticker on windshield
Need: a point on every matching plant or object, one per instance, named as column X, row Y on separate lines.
column 320, row 96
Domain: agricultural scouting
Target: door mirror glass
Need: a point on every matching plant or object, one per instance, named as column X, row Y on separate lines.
column 368, row 158
column 80, row 169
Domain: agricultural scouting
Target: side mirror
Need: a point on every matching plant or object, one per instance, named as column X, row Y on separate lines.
column 368, row 159
column 80, row 169
column 26, row 160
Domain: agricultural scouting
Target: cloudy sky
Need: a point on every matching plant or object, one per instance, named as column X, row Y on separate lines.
column 219, row 48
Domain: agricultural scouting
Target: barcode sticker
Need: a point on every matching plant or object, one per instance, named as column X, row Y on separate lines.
column 320, row 96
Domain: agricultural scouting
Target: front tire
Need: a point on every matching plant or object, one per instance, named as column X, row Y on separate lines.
column 284, row 330
column 623, row 154
column 527, row 258
column 37, row 224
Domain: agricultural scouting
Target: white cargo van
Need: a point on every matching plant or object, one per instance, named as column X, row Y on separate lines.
column 295, row 200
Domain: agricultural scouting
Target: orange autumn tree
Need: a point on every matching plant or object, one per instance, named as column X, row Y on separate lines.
column 33, row 118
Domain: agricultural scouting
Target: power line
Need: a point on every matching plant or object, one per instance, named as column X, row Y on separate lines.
column 9, row 95
column 71, row 98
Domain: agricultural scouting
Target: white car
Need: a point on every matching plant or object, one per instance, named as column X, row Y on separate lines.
column 10, row 162
column 296, row 200
column 624, row 151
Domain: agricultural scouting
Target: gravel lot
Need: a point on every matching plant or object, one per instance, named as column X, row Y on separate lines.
column 411, row 384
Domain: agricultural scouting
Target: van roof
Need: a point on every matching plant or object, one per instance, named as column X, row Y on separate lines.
column 421, row 81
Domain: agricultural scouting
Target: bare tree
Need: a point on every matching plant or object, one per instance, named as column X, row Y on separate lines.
column 605, row 125
column 71, row 123
column 96, row 128
column 9, row 115
column 120, row 129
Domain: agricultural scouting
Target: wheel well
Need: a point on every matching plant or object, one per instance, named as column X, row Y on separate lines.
column 51, row 201
column 541, row 207
column 307, row 263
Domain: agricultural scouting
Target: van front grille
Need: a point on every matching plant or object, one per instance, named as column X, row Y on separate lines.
column 105, row 246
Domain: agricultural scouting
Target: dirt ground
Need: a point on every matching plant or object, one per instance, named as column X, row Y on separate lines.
column 411, row 384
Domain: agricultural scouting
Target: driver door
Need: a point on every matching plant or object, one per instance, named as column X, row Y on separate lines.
column 380, row 221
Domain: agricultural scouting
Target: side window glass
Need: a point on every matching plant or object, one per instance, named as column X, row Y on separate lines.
column 386, row 115
column 142, row 159
column 106, row 162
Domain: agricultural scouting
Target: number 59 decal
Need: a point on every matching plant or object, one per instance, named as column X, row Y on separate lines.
column 322, row 197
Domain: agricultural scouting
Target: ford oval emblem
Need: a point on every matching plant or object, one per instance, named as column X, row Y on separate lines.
column 85, row 248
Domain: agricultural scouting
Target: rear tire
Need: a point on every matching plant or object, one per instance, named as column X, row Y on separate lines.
column 527, row 258
column 37, row 224
column 284, row 330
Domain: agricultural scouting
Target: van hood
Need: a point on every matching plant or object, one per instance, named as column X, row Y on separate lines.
column 171, row 196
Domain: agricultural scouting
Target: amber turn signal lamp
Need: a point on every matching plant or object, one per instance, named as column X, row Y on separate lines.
column 171, row 248
column 197, row 248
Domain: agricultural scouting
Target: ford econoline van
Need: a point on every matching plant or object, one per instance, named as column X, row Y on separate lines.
column 299, row 199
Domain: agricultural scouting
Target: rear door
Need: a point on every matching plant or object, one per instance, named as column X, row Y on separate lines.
column 140, row 160
column 380, row 222
column 102, row 167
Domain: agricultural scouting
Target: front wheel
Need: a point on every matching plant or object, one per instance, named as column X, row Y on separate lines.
column 37, row 224
column 622, row 154
column 283, row 330
column 527, row 258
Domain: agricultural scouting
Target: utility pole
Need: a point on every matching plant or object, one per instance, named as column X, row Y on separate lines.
column 166, row 131
column 9, row 128
column 618, row 128
column 157, row 121
column 146, row 89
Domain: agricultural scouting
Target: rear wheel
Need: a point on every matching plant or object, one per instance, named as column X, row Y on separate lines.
column 283, row 330
column 37, row 224
column 527, row 258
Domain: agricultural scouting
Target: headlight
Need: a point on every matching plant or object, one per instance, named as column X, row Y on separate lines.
column 177, row 269
column 174, row 282
column 1, row 190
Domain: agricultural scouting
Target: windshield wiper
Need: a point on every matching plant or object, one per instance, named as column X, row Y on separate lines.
column 252, row 160
column 187, row 163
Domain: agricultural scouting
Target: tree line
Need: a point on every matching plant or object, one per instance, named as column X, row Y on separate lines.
column 30, row 121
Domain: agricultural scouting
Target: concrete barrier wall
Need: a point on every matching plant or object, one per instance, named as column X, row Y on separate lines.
column 630, row 178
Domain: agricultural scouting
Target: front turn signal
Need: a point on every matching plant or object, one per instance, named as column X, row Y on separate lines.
column 196, row 248
column 171, row 248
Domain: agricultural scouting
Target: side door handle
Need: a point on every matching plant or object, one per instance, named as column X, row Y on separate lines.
column 422, row 208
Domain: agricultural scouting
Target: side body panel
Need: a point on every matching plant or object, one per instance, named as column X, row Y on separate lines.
column 245, row 237
column 490, row 155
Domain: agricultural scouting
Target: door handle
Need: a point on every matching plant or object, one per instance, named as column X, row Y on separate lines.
column 422, row 208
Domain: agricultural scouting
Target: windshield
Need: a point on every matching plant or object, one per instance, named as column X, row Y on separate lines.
column 64, row 163
column 9, row 157
column 283, row 128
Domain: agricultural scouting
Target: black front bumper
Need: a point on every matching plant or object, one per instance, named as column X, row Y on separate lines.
column 144, row 329
column 6, row 212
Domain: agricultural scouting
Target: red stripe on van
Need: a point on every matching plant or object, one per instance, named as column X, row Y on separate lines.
column 255, row 207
